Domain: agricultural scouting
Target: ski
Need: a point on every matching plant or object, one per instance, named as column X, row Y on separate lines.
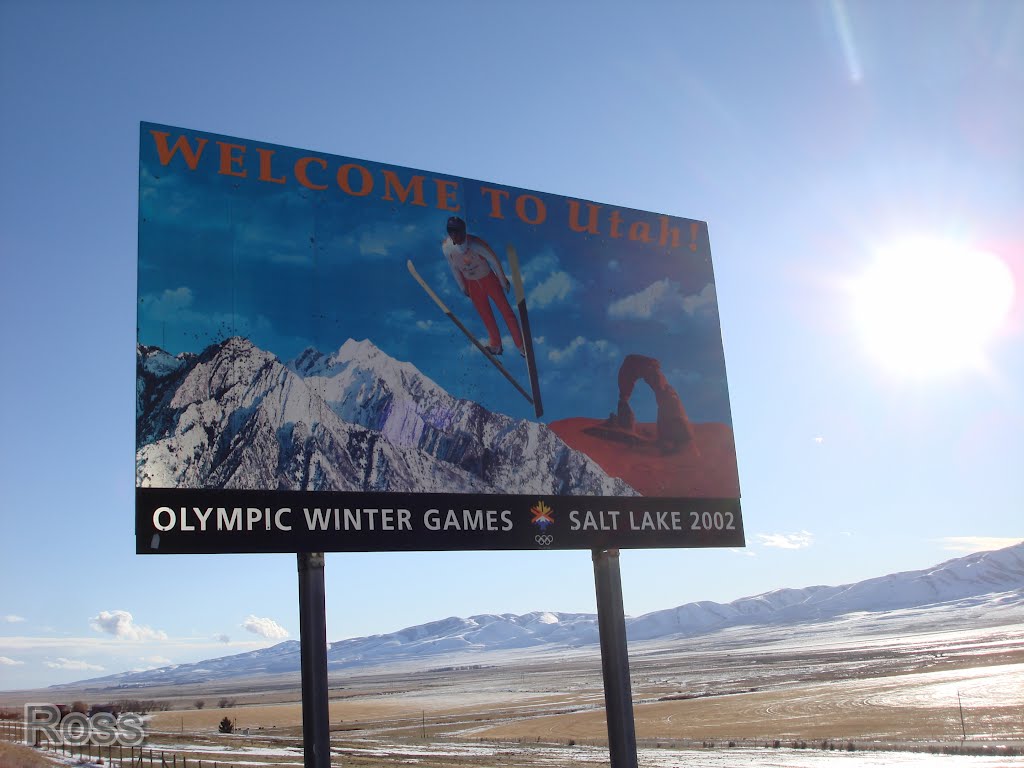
column 524, row 326
column 469, row 335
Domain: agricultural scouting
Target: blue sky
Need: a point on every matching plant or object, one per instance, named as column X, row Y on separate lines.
column 813, row 138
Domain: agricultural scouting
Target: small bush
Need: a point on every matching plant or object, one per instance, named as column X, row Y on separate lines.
column 226, row 726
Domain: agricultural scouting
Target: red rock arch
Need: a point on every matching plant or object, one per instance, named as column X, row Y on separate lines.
column 675, row 432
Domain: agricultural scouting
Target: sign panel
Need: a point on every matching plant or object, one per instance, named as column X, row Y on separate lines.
column 343, row 355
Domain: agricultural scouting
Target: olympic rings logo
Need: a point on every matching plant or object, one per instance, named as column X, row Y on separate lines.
column 545, row 541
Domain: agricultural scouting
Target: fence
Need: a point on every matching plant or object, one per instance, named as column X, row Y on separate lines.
column 111, row 755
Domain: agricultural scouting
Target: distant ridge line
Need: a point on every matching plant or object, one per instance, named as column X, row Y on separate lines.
column 987, row 580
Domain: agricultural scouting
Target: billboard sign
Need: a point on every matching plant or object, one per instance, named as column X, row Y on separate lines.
column 343, row 355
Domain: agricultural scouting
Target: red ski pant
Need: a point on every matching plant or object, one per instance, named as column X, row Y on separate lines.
column 480, row 292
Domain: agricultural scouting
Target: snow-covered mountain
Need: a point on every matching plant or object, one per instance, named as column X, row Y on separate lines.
column 982, row 573
column 356, row 420
column 978, row 584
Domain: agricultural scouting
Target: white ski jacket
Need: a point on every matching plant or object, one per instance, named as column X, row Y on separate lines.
column 472, row 260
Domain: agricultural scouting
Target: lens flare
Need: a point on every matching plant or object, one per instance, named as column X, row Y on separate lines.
column 927, row 307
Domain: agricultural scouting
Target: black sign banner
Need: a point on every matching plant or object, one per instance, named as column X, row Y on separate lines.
column 179, row 521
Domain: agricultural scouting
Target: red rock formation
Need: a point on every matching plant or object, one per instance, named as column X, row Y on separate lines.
column 674, row 429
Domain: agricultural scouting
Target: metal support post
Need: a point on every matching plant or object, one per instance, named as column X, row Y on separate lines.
column 316, row 731
column 618, row 694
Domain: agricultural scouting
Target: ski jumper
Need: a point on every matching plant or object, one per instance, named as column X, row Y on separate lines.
column 479, row 274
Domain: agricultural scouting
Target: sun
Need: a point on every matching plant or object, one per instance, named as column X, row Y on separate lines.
column 929, row 307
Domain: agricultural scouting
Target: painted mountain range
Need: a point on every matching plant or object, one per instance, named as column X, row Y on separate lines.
column 356, row 420
column 985, row 588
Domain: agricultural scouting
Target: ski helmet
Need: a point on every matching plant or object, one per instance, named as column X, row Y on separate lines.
column 456, row 226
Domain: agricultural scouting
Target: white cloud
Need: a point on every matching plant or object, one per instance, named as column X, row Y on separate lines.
column 642, row 305
column 70, row 645
column 385, row 238
column 373, row 244
column 267, row 628
column 169, row 303
column 222, row 638
column 176, row 305
column 977, row 543
column 662, row 301
column 535, row 270
column 73, row 664
column 557, row 355
column 580, row 346
column 122, row 625
column 706, row 299
column 556, row 287
column 7, row 661
column 800, row 540
column 261, row 241
column 546, row 281
column 10, row 618
column 152, row 662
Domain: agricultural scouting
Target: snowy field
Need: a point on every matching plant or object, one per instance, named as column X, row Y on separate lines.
column 901, row 678
column 448, row 756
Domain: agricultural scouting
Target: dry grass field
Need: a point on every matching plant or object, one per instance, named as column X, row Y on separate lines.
column 910, row 692
column 20, row 756
column 868, row 692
